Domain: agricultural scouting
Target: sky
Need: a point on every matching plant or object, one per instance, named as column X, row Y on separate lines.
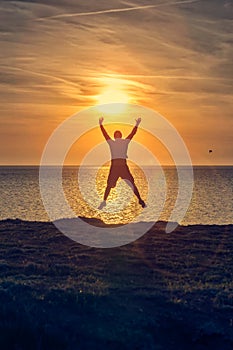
column 61, row 57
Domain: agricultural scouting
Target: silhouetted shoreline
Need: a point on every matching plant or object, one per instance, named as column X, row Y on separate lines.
column 164, row 291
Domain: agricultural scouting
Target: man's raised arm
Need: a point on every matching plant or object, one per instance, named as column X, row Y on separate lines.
column 104, row 132
column 133, row 132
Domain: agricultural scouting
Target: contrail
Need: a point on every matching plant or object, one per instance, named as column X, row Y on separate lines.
column 80, row 14
column 65, row 81
column 190, row 77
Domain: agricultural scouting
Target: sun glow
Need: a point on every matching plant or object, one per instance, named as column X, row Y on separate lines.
column 113, row 95
column 113, row 92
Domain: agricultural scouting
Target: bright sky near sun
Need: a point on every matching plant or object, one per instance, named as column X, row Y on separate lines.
column 60, row 57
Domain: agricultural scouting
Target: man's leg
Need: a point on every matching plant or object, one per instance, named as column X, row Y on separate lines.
column 136, row 192
column 111, row 182
column 128, row 177
column 107, row 191
column 131, row 183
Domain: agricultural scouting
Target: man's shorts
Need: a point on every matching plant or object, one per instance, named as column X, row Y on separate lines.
column 119, row 168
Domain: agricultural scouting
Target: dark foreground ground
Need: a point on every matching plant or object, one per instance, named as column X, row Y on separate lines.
column 164, row 291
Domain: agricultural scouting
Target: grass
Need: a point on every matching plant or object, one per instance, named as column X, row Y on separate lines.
column 164, row 291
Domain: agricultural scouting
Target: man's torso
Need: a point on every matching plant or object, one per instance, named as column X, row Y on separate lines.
column 118, row 148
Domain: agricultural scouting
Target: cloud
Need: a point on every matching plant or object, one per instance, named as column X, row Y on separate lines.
column 46, row 48
column 174, row 56
column 116, row 10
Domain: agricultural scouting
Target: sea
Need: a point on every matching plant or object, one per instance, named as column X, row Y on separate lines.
column 209, row 199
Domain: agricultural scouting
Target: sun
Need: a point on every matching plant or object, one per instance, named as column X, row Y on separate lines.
column 113, row 95
column 113, row 92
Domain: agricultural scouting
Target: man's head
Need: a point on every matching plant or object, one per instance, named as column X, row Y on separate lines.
column 117, row 134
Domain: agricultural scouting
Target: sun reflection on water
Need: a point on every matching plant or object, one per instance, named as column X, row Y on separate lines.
column 122, row 205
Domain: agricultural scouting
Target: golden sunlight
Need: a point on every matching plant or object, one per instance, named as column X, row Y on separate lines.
column 113, row 92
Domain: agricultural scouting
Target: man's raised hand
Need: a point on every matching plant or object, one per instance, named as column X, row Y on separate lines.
column 138, row 121
column 101, row 120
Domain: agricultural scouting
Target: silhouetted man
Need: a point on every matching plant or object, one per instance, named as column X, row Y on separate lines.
column 119, row 167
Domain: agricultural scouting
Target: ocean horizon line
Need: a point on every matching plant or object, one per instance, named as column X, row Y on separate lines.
column 96, row 165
